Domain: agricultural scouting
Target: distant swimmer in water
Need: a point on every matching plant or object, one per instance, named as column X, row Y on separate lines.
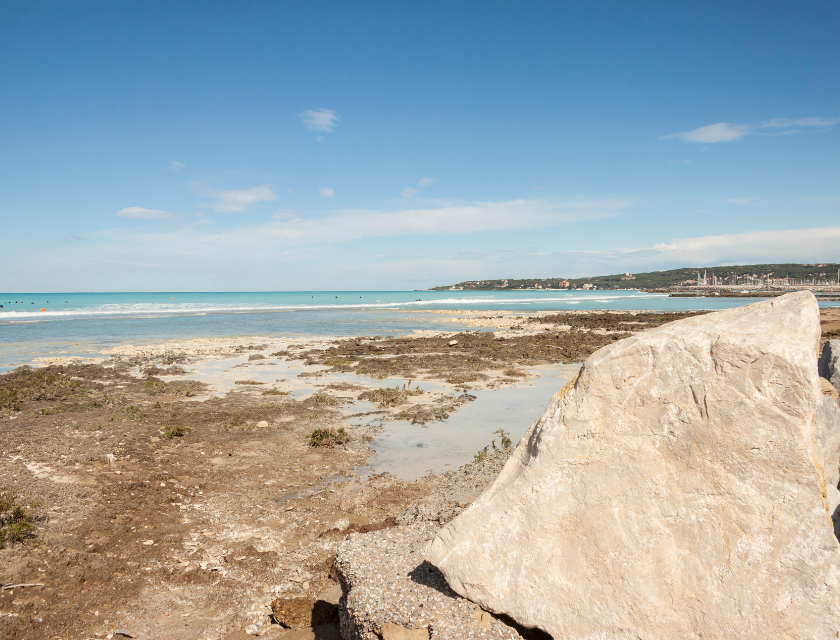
column 173, row 297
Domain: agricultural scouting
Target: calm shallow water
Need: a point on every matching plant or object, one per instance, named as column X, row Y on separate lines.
column 410, row 451
column 83, row 324
column 403, row 449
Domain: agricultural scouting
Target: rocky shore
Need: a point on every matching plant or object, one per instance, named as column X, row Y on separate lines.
column 171, row 504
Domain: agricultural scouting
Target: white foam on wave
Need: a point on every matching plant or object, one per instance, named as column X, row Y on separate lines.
column 199, row 308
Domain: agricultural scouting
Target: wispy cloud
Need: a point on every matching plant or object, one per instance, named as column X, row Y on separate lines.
column 742, row 201
column 327, row 192
column 319, row 120
column 235, row 200
column 410, row 192
column 139, row 213
column 728, row 132
column 354, row 224
column 788, row 245
column 175, row 165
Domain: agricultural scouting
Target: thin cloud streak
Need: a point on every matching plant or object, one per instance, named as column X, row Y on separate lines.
column 139, row 213
column 236, row 200
column 728, row 132
column 319, row 120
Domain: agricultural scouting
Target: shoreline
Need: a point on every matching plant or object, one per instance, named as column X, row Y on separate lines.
column 213, row 501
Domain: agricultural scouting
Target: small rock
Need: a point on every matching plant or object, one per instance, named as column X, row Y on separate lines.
column 296, row 613
column 391, row 631
column 828, row 389
column 829, row 367
column 262, row 424
column 252, row 629
column 148, row 542
column 452, row 343
column 484, row 619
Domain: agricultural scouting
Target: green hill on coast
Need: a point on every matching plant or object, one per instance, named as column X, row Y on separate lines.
column 730, row 274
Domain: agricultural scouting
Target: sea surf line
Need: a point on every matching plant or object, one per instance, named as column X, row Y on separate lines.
column 83, row 324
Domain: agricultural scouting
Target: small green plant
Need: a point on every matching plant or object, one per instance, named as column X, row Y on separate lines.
column 133, row 411
column 461, row 378
column 93, row 427
column 481, row 455
column 176, row 432
column 50, row 412
column 338, row 362
column 235, row 422
column 503, row 437
column 154, row 386
column 388, row 397
column 187, row 390
column 324, row 400
column 328, row 437
column 15, row 520
column 275, row 392
column 248, row 382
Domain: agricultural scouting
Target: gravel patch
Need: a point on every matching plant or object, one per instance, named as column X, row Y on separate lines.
column 387, row 582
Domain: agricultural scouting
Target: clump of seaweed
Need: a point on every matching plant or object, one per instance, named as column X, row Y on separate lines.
column 328, row 437
column 15, row 520
column 388, row 397
column 324, row 400
column 275, row 392
column 176, row 432
column 154, row 386
column 41, row 384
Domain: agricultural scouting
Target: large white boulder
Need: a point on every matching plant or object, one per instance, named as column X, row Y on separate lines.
column 675, row 489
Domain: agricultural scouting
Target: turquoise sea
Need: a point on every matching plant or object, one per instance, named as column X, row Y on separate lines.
column 82, row 324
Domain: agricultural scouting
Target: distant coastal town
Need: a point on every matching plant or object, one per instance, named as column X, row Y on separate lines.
column 754, row 277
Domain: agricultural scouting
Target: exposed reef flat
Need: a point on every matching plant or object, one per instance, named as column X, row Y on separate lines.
column 214, row 503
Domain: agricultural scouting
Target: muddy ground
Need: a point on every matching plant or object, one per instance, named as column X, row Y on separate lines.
column 166, row 511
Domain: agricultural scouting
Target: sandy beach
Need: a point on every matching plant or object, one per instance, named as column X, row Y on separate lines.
column 177, row 486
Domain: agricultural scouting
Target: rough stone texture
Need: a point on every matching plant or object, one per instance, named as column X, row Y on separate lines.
column 389, row 587
column 828, row 436
column 829, row 367
column 675, row 489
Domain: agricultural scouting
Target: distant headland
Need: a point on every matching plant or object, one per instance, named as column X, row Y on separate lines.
column 730, row 277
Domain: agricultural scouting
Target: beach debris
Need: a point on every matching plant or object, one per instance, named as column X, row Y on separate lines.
column 262, row 424
column 111, row 458
column 125, row 633
column 681, row 466
column 829, row 367
column 452, row 343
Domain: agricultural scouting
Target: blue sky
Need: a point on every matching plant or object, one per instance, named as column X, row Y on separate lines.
column 322, row 145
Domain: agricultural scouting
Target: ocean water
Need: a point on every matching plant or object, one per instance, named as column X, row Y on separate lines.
column 83, row 324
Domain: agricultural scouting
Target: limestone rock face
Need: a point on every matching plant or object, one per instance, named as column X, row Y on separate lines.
column 675, row 489
column 830, row 363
